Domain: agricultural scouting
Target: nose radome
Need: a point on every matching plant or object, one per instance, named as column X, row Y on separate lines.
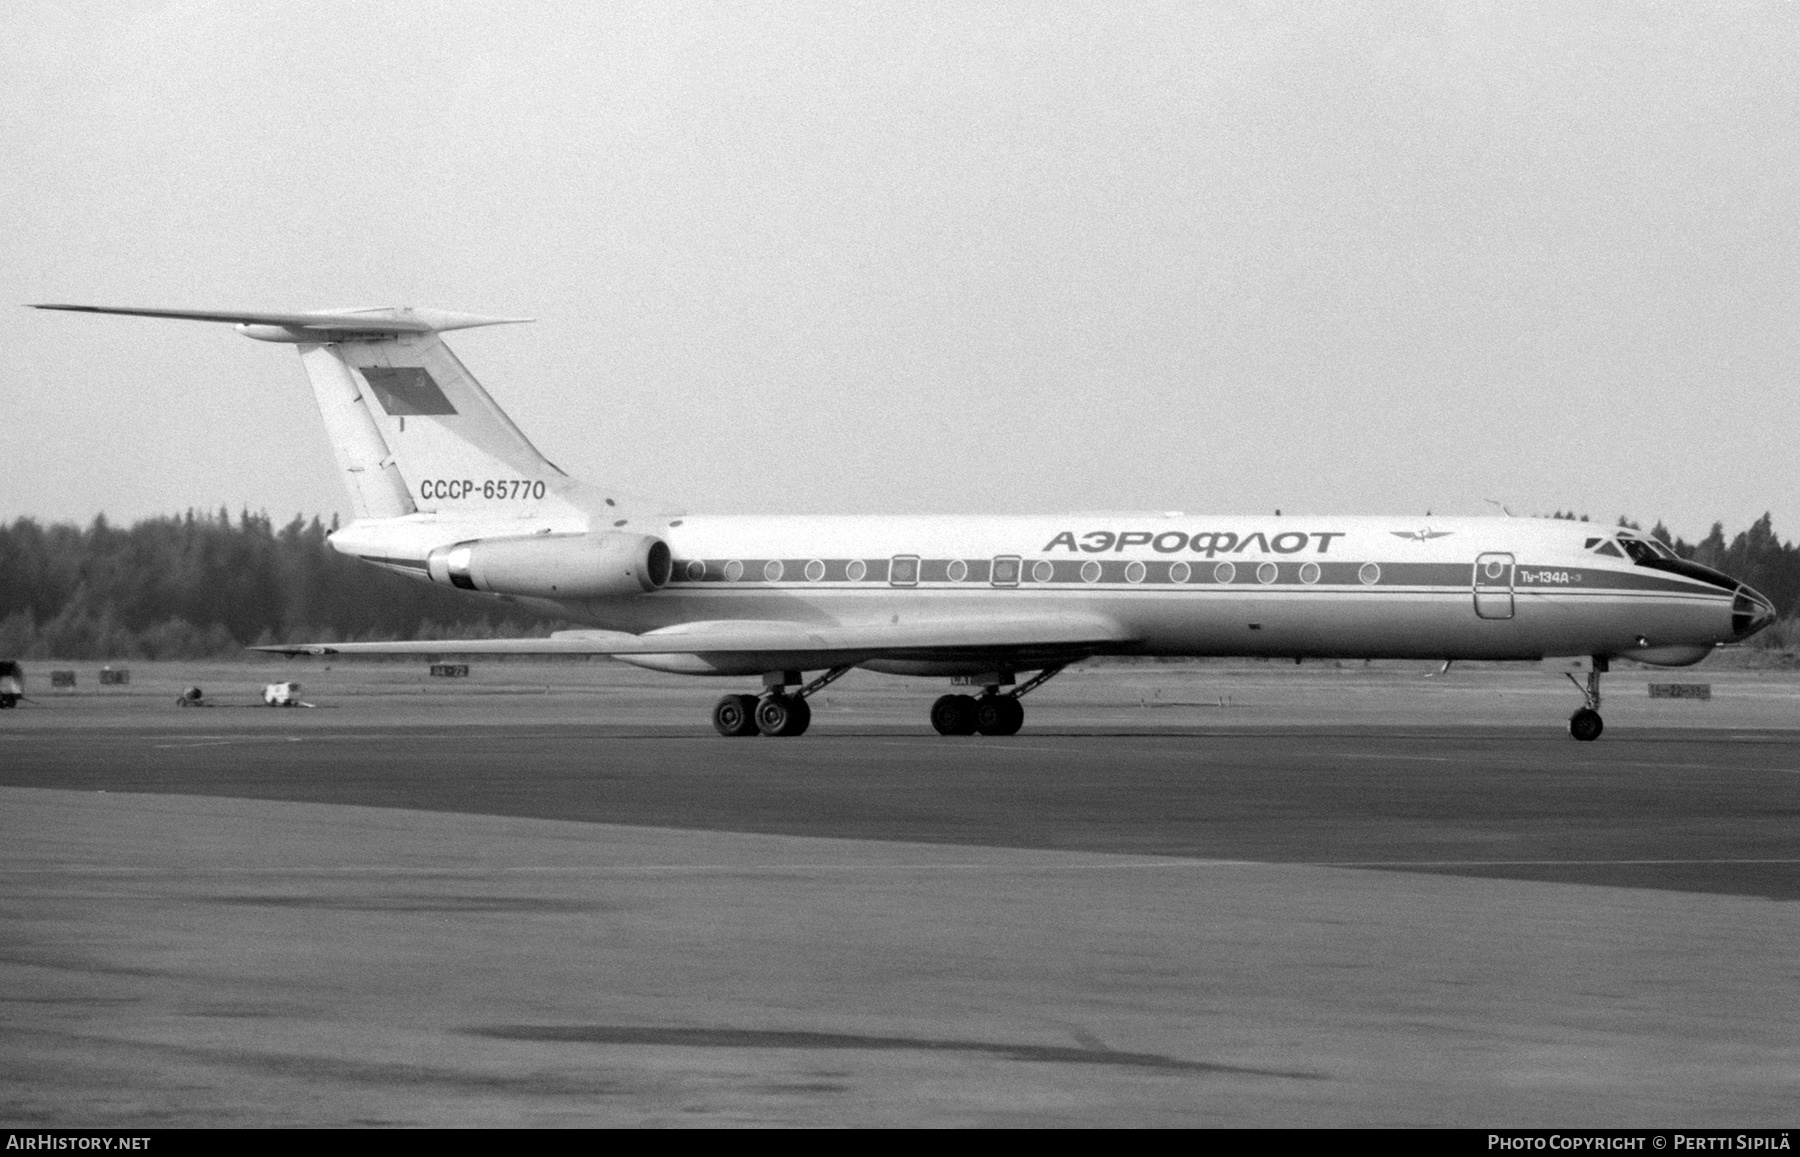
column 1750, row 613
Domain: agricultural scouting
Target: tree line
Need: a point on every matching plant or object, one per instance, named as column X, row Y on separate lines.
column 203, row 585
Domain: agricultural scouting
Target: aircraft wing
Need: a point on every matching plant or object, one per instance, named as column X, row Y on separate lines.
column 786, row 644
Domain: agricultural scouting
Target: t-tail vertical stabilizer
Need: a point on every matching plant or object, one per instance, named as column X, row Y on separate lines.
column 413, row 431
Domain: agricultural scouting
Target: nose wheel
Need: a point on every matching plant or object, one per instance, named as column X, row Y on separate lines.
column 1586, row 724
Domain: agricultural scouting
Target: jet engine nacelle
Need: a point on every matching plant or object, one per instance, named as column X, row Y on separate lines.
column 555, row 566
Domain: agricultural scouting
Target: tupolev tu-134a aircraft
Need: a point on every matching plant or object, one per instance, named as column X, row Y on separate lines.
column 447, row 490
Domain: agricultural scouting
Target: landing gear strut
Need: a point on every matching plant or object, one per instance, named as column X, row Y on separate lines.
column 994, row 713
column 1586, row 724
column 777, row 712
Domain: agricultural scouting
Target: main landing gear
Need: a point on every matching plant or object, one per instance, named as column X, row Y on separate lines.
column 993, row 713
column 778, row 711
column 775, row 712
column 1586, row 724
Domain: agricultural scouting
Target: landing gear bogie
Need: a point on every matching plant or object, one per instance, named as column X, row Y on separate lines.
column 994, row 713
column 778, row 711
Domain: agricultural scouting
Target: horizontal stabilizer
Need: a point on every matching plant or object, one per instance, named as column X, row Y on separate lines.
column 832, row 644
column 389, row 319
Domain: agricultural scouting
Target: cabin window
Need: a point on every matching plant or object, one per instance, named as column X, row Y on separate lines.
column 1268, row 572
column 696, row 570
column 857, row 570
column 1006, row 571
column 1090, row 571
column 815, row 570
column 734, row 570
column 1225, row 572
column 1180, row 572
column 1370, row 574
column 957, row 571
column 1309, row 573
column 903, row 571
column 1134, row 572
column 1042, row 571
column 772, row 570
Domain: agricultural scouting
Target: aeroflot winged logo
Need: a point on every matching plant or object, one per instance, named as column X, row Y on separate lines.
column 1421, row 535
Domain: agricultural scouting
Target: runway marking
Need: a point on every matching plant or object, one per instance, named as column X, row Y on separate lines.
column 611, row 869
column 742, row 1038
column 1681, row 766
column 628, row 869
column 939, row 743
column 1521, row 863
column 1623, row 762
column 223, row 742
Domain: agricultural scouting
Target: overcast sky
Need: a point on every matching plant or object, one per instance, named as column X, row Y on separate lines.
column 928, row 257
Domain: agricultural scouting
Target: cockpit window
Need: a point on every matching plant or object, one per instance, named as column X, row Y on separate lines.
column 1657, row 555
column 1644, row 550
column 1607, row 548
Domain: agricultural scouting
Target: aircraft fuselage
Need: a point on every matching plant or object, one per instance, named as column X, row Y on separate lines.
column 1294, row 586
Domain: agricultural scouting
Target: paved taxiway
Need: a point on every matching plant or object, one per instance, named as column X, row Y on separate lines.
column 1302, row 897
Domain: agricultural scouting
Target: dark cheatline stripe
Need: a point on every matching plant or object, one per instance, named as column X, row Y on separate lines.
column 1158, row 572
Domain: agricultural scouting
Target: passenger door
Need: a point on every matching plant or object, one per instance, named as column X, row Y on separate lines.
column 1494, row 586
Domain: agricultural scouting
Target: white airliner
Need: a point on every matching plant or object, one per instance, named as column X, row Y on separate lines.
column 446, row 489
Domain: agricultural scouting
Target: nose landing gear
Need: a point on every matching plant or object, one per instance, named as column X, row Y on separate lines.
column 1586, row 724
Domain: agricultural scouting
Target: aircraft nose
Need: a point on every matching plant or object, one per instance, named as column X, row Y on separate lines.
column 1750, row 613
